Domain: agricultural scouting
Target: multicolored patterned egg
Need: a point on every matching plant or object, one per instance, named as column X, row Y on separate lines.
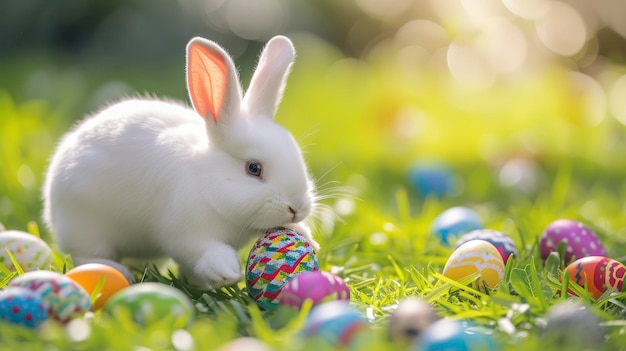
column 336, row 322
column 476, row 256
column 580, row 241
column 454, row 222
column 29, row 251
column 599, row 273
column 317, row 286
column 410, row 319
column 503, row 243
column 149, row 303
column 274, row 259
column 89, row 276
column 63, row 297
column 22, row 306
column 448, row 334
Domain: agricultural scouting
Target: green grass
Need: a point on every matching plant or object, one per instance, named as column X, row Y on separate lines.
column 348, row 116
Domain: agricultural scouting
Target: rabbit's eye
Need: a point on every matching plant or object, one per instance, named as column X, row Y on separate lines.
column 254, row 168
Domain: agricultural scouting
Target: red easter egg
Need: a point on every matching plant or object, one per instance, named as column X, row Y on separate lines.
column 599, row 273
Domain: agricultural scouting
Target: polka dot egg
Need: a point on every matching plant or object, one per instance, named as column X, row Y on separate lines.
column 317, row 286
column 22, row 306
column 599, row 273
column 63, row 297
column 476, row 256
column 275, row 259
column 30, row 251
column 149, row 303
column 502, row 243
column 580, row 241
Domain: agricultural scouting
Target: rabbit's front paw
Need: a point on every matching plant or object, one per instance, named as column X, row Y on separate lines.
column 218, row 267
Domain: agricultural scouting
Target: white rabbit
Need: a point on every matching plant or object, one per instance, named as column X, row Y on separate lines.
column 148, row 178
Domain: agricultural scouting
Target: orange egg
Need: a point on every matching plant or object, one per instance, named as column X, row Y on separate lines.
column 598, row 273
column 89, row 275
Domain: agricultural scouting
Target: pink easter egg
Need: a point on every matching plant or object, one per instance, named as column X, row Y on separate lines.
column 317, row 286
column 580, row 240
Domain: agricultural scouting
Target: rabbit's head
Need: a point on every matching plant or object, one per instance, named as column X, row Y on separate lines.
column 260, row 168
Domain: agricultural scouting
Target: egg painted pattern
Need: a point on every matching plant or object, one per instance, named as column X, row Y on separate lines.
column 63, row 297
column 600, row 273
column 502, row 243
column 30, row 251
column 22, row 306
column 476, row 256
column 581, row 241
column 274, row 259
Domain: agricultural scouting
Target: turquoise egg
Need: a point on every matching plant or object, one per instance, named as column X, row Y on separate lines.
column 336, row 322
column 22, row 306
column 447, row 334
column 455, row 221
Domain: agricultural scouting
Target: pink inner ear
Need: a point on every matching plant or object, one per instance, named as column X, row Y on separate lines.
column 207, row 79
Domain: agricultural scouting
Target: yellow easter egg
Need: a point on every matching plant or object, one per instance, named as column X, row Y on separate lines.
column 476, row 256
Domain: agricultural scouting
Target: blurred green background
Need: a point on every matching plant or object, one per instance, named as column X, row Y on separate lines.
column 506, row 93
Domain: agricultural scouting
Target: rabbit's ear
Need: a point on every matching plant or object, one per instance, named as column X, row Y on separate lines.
column 268, row 82
column 212, row 80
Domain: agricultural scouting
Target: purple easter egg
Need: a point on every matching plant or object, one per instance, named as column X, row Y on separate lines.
column 317, row 286
column 580, row 240
column 505, row 245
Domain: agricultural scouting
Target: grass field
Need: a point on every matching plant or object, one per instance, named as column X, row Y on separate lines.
column 362, row 125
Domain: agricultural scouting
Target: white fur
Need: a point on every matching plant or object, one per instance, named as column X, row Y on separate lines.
column 143, row 179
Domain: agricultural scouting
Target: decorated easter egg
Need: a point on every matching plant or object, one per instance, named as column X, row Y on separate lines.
column 149, row 303
column 476, row 256
column 317, row 286
column 29, row 251
column 572, row 326
column 63, row 297
column 599, row 273
column 336, row 322
column 580, row 241
column 274, row 259
column 454, row 222
column 431, row 178
column 448, row 334
column 93, row 275
column 410, row 319
column 22, row 306
column 503, row 243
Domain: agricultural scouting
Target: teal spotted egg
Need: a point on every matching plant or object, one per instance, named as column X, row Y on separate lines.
column 275, row 259
column 29, row 251
column 63, row 298
column 149, row 303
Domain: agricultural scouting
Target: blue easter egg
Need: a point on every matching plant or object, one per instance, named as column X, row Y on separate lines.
column 454, row 222
column 336, row 322
column 448, row 334
column 431, row 179
column 22, row 306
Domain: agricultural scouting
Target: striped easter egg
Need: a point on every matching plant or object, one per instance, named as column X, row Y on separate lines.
column 476, row 256
column 62, row 296
column 274, row 259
